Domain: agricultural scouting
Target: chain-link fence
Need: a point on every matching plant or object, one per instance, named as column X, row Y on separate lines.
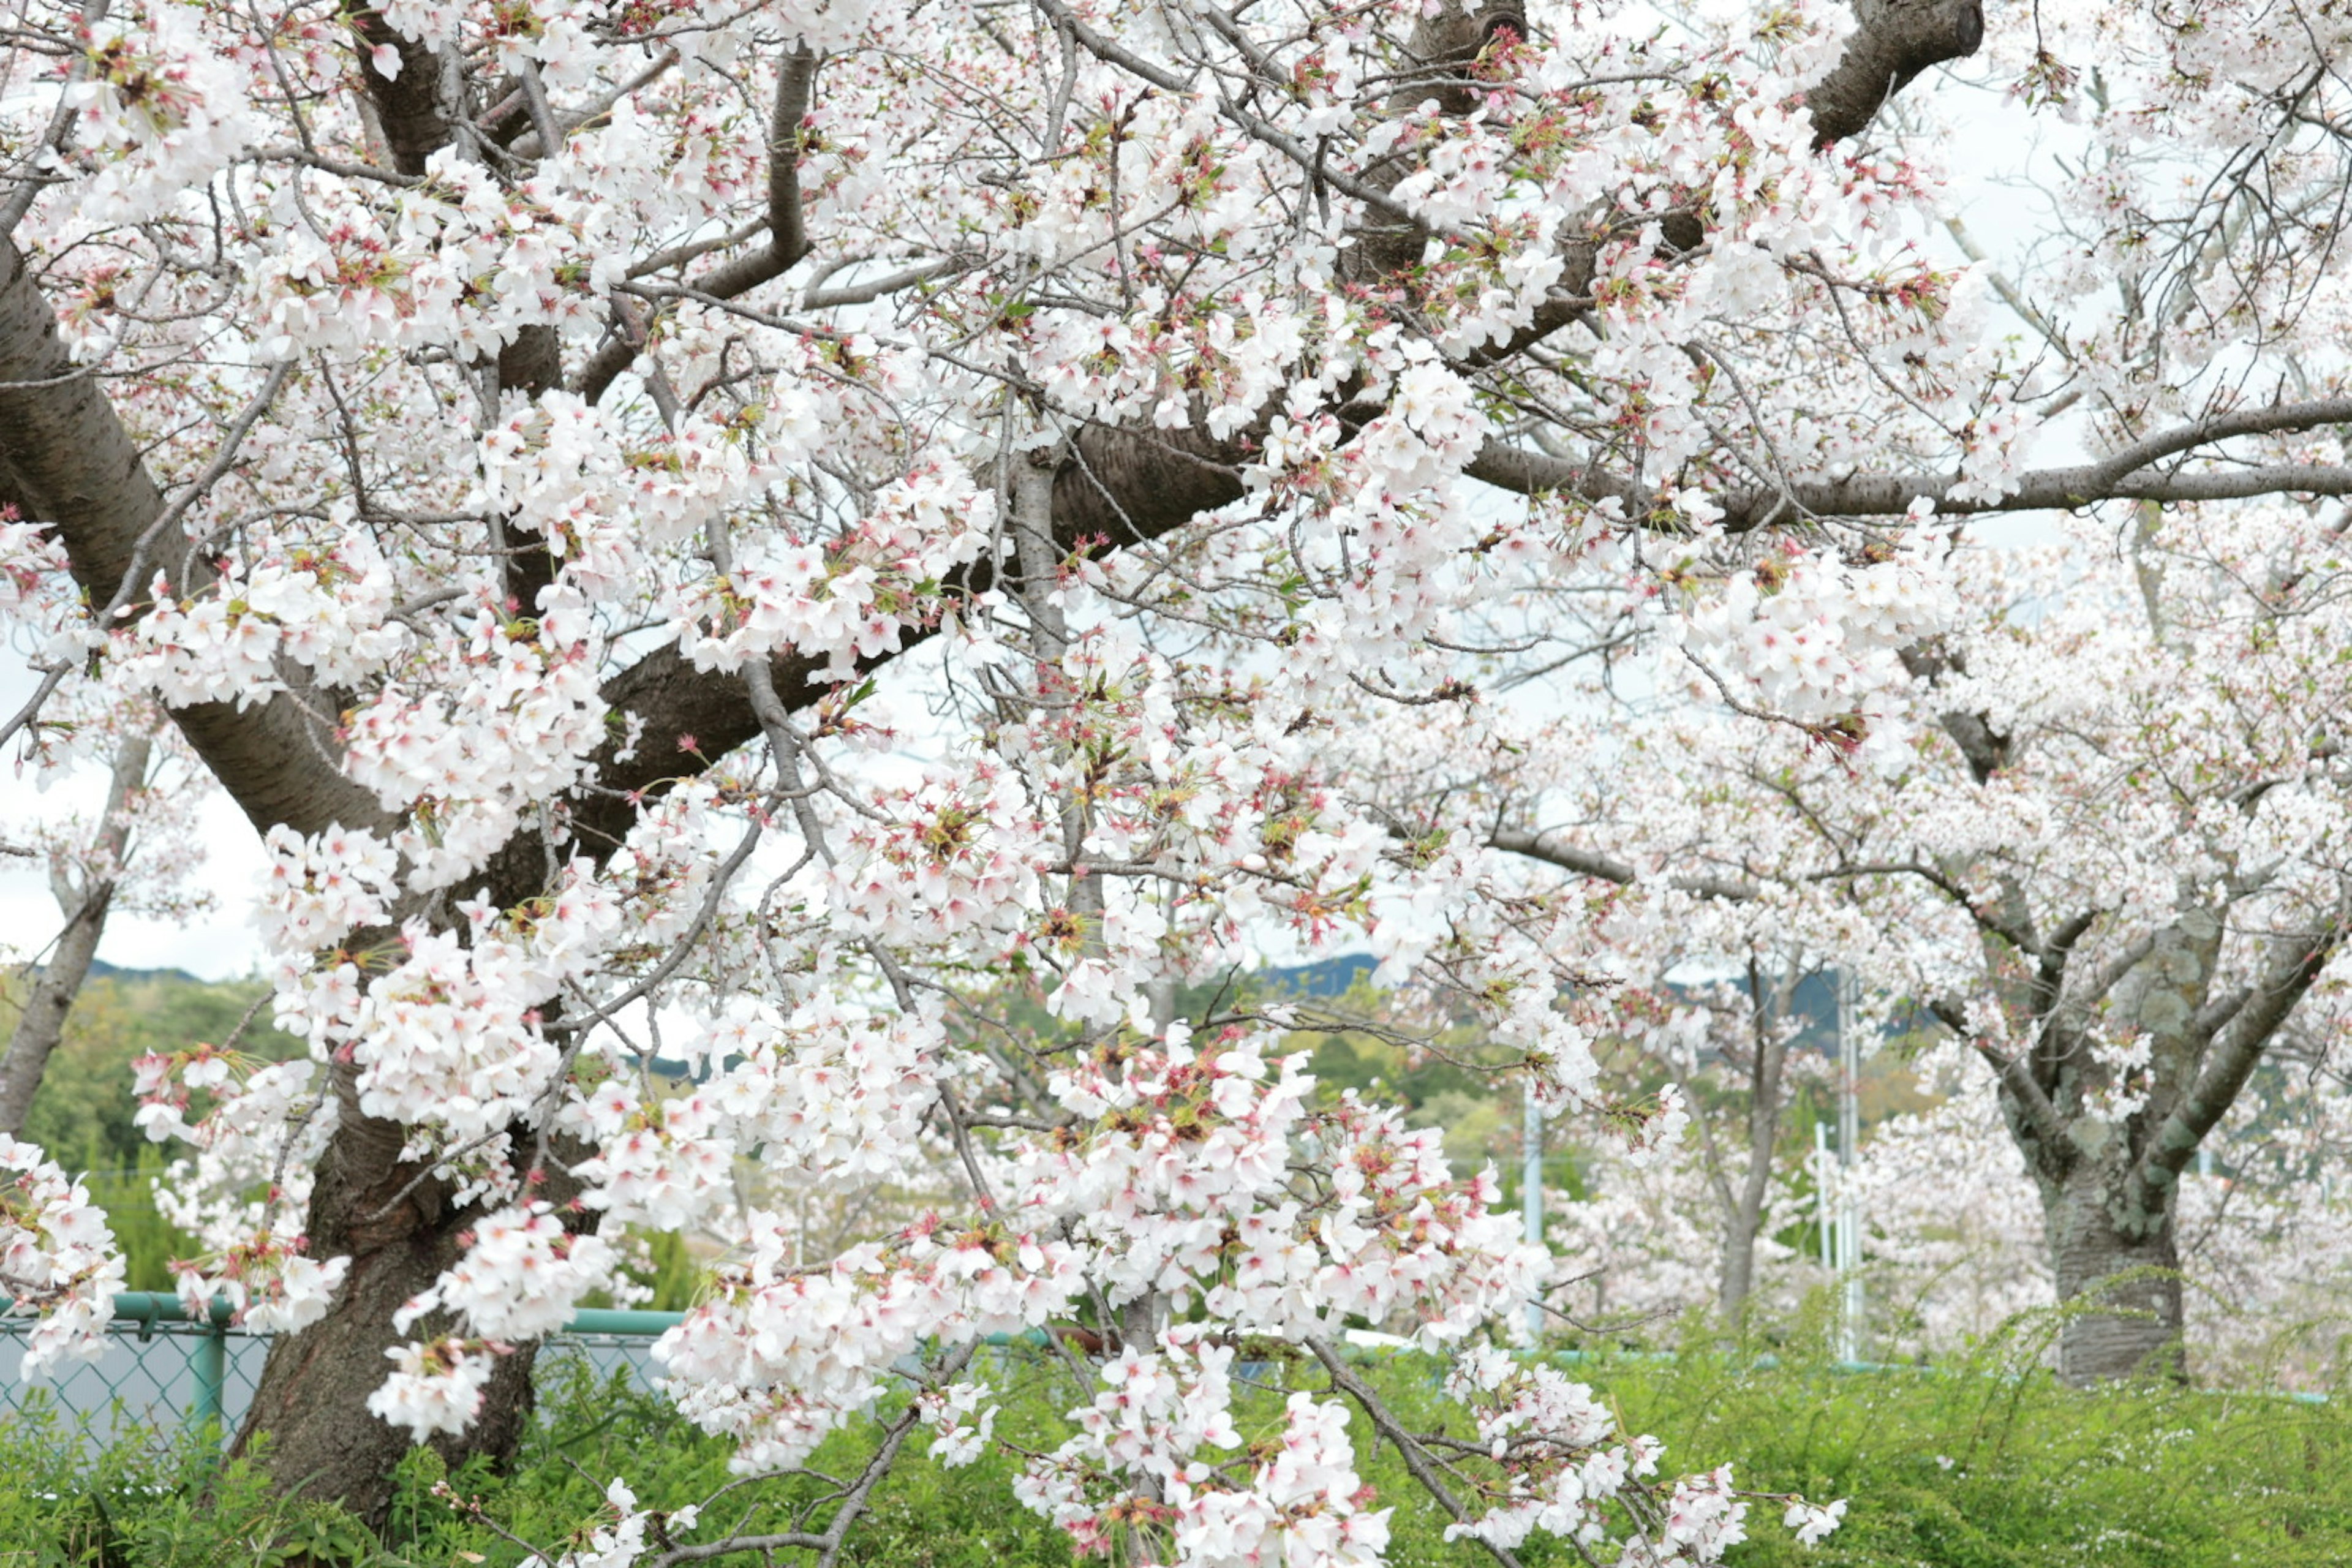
column 164, row 1372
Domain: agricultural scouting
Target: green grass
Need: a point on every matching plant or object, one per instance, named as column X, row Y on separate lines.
column 1981, row 1467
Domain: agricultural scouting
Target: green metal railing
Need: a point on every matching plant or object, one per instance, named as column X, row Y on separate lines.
column 123, row 1393
column 207, row 1365
column 128, row 1389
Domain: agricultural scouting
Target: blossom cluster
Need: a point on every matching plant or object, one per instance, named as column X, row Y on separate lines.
column 1813, row 637
column 520, row 1277
column 827, row 1092
column 1158, row 1446
column 855, row 598
column 467, row 769
column 782, row 1354
column 326, row 610
column 1185, row 1189
column 167, row 112
column 57, row 1258
column 241, row 1194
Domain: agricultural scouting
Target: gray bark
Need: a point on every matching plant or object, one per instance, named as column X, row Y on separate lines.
column 42, row 1025
column 2123, row 1281
column 2108, row 1184
column 1743, row 1214
column 2099, row 1220
column 2137, row 472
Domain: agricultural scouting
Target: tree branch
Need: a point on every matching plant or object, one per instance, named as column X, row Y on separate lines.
column 1527, row 472
column 1893, row 42
column 1552, row 851
column 1416, row 1461
column 787, row 225
column 861, row 1492
column 65, row 459
column 418, row 111
column 2051, row 976
column 2031, row 1103
column 1992, row 925
column 2237, row 1049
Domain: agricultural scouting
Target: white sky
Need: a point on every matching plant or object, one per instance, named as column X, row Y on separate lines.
column 215, row 947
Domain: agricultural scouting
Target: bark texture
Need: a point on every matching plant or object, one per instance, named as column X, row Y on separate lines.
column 2129, row 1273
column 396, row 1224
column 43, row 1022
column 67, row 459
column 1893, row 42
column 2100, row 1219
column 2108, row 1177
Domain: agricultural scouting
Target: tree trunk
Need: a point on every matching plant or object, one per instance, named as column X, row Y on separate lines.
column 1738, row 1276
column 2088, row 1249
column 43, row 1023
column 1743, row 1214
column 312, row 1402
column 1745, row 1218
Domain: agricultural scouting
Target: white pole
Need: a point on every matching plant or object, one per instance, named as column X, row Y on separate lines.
column 1849, row 1139
column 1826, row 1220
column 1531, row 1195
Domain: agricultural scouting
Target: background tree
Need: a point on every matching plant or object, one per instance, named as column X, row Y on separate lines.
column 85, row 893
column 141, row 855
column 2098, row 839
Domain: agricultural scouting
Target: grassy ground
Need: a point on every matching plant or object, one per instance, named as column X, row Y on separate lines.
column 1970, row 1468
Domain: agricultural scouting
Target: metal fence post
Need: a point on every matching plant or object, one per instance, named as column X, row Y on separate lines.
column 209, row 1370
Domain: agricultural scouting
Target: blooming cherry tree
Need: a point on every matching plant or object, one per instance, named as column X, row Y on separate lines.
column 2093, row 833
column 707, row 545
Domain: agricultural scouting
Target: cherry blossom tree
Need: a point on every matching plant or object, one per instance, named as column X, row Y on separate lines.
column 140, row 856
column 1955, row 1247
column 2093, row 828
column 707, row 538
column 1727, row 1044
column 1955, row 1258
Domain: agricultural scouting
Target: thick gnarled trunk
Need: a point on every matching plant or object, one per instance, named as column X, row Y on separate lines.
column 396, row 1225
column 2120, row 1281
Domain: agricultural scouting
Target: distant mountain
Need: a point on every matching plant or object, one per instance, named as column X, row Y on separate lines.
column 1325, row 977
column 102, row 970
